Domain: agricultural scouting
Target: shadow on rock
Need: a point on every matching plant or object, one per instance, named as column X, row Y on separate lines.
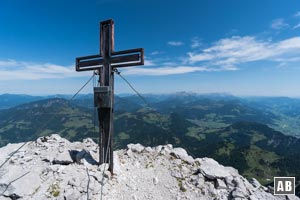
column 77, row 156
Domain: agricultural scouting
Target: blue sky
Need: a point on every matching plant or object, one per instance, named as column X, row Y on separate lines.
column 240, row 47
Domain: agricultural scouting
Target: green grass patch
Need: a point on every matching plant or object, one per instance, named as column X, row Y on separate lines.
column 6, row 128
column 226, row 150
column 54, row 190
column 257, row 137
column 260, row 164
column 194, row 132
column 123, row 136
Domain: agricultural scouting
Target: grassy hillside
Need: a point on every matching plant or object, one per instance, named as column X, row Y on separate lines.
column 31, row 120
column 227, row 130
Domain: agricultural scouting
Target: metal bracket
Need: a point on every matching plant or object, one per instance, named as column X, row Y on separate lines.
column 102, row 97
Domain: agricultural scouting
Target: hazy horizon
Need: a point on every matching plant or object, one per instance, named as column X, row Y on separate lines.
column 170, row 93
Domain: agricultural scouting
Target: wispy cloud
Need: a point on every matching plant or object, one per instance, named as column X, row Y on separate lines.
column 195, row 42
column 232, row 32
column 296, row 26
column 226, row 54
column 297, row 14
column 279, row 24
column 162, row 71
column 175, row 43
column 149, row 63
column 20, row 70
column 236, row 50
column 156, row 53
column 7, row 63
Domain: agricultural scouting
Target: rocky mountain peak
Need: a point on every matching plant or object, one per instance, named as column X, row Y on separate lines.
column 54, row 168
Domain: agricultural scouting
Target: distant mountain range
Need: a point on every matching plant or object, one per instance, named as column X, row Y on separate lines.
column 257, row 135
column 11, row 100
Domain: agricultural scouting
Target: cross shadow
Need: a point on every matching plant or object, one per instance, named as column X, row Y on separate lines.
column 77, row 156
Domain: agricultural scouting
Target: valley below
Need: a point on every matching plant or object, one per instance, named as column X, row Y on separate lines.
column 257, row 135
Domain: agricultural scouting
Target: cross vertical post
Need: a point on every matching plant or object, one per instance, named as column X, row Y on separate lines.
column 105, row 114
column 105, row 63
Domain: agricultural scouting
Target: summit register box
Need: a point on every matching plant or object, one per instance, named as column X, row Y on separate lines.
column 102, row 97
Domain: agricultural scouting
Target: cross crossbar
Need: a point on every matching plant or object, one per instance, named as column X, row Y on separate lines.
column 125, row 58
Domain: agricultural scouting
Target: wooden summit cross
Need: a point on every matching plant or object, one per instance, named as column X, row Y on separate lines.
column 105, row 63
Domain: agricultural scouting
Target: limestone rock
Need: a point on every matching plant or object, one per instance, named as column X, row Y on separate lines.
column 182, row 154
column 54, row 168
column 71, row 194
column 221, row 184
column 117, row 164
column 138, row 148
column 254, row 182
column 155, row 180
column 129, row 153
column 238, row 193
column 148, row 149
column 176, row 174
column 212, row 169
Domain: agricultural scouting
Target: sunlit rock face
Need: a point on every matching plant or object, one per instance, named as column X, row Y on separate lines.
column 54, row 168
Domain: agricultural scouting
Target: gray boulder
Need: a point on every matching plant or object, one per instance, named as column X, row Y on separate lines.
column 138, row 148
column 182, row 154
column 213, row 170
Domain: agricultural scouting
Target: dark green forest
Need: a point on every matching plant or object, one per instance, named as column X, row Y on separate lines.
column 248, row 134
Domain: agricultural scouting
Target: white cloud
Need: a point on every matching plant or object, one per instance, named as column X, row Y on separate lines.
column 175, row 43
column 156, row 53
column 195, row 42
column 279, row 24
column 297, row 14
column 237, row 50
column 200, row 57
column 162, row 71
column 287, row 46
column 20, row 70
column 296, row 26
column 148, row 63
column 7, row 63
column 224, row 55
column 170, row 63
column 228, row 68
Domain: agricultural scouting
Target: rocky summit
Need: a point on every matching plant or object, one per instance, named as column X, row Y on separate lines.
column 54, row 168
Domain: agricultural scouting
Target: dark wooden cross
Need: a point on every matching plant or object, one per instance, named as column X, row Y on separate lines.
column 105, row 63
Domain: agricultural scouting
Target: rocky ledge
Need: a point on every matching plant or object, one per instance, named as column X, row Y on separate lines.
column 54, row 168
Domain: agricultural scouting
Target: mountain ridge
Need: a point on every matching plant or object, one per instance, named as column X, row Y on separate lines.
column 214, row 131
